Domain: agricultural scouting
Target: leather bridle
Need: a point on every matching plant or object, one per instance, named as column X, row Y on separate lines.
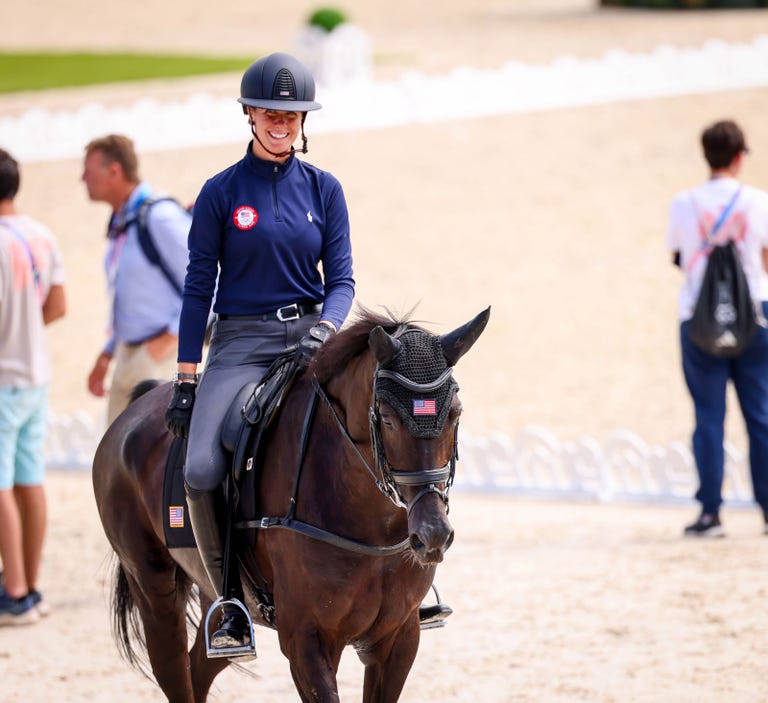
column 388, row 479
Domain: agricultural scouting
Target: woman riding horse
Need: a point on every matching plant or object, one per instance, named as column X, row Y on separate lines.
column 349, row 517
column 262, row 227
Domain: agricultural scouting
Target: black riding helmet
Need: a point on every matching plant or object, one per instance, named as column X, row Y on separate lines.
column 278, row 82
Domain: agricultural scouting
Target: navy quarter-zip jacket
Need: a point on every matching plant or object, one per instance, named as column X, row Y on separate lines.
column 268, row 226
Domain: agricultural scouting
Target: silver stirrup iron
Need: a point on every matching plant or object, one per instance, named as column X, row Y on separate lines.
column 248, row 650
column 438, row 619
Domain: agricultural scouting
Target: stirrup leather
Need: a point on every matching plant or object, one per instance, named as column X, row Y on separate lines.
column 248, row 650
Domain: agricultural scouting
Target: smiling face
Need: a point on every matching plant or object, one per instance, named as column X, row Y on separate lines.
column 275, row 130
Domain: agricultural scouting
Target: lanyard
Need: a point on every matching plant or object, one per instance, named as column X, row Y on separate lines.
column 128, row 215
column 706, row 243
column 36, row 277
column 724, row 215
column 117, row 231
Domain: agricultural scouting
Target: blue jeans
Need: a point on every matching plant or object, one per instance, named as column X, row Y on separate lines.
column 707, row 377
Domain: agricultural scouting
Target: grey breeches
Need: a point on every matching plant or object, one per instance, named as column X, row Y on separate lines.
column 241, row 352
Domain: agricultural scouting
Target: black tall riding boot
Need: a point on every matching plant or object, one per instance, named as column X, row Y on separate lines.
column 234, row 630
column 205, row 525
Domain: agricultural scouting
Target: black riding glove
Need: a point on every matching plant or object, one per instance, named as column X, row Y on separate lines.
column 179, row 412
column 311, row 342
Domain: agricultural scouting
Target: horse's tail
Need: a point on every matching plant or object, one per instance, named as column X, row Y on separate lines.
column 126, row 625
column 143, row 387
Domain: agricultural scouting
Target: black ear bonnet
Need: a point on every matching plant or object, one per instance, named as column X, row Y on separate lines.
column 418, row 383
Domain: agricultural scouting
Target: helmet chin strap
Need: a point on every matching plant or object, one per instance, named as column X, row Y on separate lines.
column 282, row 153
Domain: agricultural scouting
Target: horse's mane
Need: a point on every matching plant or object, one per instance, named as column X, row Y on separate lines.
column 353, row 340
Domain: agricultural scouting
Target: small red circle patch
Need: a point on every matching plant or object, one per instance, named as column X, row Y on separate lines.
column 245, row 217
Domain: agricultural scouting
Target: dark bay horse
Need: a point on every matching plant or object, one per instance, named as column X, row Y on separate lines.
column 361, row 458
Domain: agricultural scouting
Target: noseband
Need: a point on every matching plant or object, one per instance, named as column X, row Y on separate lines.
column 392, row 479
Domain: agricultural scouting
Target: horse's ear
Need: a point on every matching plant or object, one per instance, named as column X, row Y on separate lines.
column 384, row 346
column 457, row 343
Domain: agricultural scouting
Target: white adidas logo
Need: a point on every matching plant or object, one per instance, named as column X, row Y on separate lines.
column 726, row 340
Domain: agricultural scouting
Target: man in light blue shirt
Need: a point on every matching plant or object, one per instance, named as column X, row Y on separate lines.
column 145, row 295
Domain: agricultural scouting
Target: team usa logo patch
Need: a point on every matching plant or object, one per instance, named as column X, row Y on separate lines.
column 424, row 407
column 176, row 516
column 245, row 217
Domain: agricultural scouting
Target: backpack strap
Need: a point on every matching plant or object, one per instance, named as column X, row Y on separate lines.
column 706, row 244
column 36, row 276
column 724, row 214
column 147, row 243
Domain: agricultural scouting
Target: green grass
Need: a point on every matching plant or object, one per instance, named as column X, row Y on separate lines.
column 40, row 71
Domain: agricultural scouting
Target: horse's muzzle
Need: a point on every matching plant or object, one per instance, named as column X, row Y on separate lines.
column 430, row 532
column 429, row 554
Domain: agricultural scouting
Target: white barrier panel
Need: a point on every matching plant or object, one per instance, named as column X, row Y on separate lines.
column 204, row 120
column 71, row 441
column 623, row 468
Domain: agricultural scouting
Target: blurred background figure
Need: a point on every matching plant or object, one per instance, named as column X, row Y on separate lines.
column 718, row 210
column 31, row 296
column 145, row 294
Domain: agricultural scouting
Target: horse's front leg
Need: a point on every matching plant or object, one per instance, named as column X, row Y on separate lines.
column 388, row 662
column 314, row 661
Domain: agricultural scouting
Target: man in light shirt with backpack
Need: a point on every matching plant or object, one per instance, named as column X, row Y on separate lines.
column 720, row 210
column 145, row 275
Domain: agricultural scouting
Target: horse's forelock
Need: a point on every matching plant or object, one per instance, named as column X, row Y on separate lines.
column 352, row 341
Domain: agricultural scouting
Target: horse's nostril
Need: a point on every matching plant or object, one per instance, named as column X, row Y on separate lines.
column 416, row 544
column 449, row 541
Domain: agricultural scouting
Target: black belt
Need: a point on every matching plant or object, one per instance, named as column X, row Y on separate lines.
column 288, row 312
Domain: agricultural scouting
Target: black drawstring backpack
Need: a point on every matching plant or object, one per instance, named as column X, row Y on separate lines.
column 724, row 318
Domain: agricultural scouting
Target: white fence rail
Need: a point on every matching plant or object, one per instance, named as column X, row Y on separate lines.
column 72, row 440
column 621, row 468
column 42, row 134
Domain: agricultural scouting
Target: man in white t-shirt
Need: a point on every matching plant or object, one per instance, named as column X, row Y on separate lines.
column 694, row 214
column 31, row 296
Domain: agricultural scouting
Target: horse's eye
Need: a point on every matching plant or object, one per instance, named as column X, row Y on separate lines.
column 387, row 418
